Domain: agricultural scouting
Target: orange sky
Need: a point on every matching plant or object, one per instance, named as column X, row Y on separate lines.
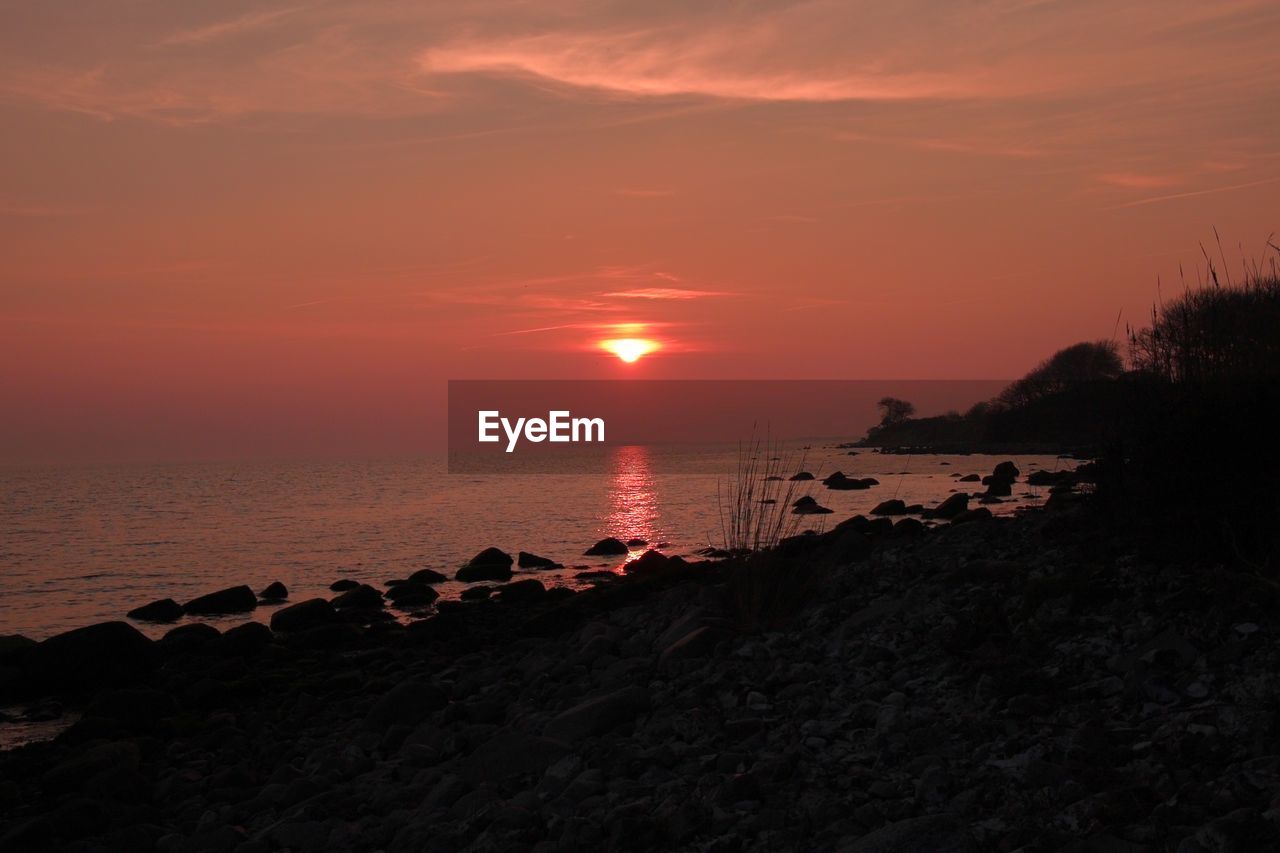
column 238, row 229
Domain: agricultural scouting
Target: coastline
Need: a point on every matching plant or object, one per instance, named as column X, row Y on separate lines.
column 1018, row 682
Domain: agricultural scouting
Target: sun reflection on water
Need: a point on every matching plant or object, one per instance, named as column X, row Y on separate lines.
column 633, row 498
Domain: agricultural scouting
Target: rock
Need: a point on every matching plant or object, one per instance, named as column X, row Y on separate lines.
column 699, row 642
column 137, row 709
column 528, row 589
column 73, row 773
column 808, row 506
column 802, row 476
column 969, row 478
column 275, row 591
column 408, row 703
column 243, row 640
column 412, row 593
column 303, row 615
column 935, row 833
column 476, row 593
column 491, row 557
column 597, row 716
column 495, row 572
column 1006, row 471
column 636, row 542
column 979, row 514
column 343, row 584
column 952, row 506
column 525, row 560
column 608, row 547
column 839, row 482
column 190, row 637
column 653, row 562
column 106, row 654
column 236, row 599
column 363, row 597
column 890, row 507
column 905, row 527
column 427, row 576
column 999, row 489
column 510, row 753
column 161, row 610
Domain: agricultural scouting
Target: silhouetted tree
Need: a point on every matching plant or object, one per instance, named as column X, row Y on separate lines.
column 1088, row 361
column 894, row 411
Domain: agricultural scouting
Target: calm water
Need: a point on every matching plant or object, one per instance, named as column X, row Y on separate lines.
column 80, row 545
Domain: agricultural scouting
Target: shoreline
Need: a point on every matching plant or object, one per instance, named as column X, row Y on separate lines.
column 992, row 684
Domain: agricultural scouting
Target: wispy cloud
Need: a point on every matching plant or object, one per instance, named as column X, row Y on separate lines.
column 666, row 293
column 245, row 23
column 1194, row 193
column 1139, row 180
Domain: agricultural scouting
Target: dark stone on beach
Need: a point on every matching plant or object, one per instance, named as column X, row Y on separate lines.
column 412, row 593
column 801, row 476
column 952, row 506
column 305, row 614
column 343, row 585
column 650, row 562
column 977, row 514
column 969, row 478
column 161, row 610
column 597, row 716
column 528, row 589
column 839, row 482
column 525, row 560
column 244, row 640
column 596, row 575
column 472, row 574
column 427, row 576
column 408, row 703
column 636, row 542
column 907, row 527
column 363, row 597
column 608, row 547
column 79, row 769
column 510, row 753
column 109, row 653
column 811, row 509
column 190, row 637
column 136, row 709
column 491, row 557
column 999, row 489
column 936, row 833
column 236, row 599
column 890, row 507
column 275, row 591
column 476, row 593
column 1006, row 471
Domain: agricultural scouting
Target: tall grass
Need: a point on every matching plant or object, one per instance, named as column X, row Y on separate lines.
column 755, row 503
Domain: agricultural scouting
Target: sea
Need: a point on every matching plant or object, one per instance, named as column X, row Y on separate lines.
column 80, row 545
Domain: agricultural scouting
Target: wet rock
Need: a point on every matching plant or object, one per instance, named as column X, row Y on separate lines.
column 839, row 482
column 343, row 585
column 951, row 507
column 190, row 637
column 890, row 507
column 969, row 478
column 161, row 610
column 802, row 476
column 527, row 589
column 807, row 505
column 491, row 564
column 637, row 542
column 476, row 593
column 427, row 576
column 304, row 615
column 243, row 640
column 597, row 716
column 1005, row 471
column 363, row 597
column 491, row 557
column 274, row 591
column 411, row 594
column 653, row 562
column 236, row 599
column 608, row 547
column 525, row 560
column 109, row 653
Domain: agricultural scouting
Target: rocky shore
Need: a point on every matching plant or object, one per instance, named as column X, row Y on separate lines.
column 1002, row 684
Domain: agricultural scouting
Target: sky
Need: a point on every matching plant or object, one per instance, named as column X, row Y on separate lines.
column 259, row 229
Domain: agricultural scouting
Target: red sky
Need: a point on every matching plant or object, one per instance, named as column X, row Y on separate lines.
column 237, row 229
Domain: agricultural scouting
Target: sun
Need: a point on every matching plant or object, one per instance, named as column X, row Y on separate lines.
column 629, row 350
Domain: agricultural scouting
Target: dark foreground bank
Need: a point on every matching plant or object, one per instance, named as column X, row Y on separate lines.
column 1000, row 684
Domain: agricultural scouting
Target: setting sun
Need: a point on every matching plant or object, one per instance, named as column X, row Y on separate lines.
column 629, row 350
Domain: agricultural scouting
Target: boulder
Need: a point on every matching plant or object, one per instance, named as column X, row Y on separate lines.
column 801, row 476
column 510, row 753
column 636, row 542
column 363, row 597
column 528, row 589
column 102, row 655
column 1006, row 471
column 135, row 708
column 244, row 640
column 976, row 514
column 906, row 527
column 969, row 478
column 652, row 561
column 472, row 574
column 999, row 488
column 940, row 833
column 700, row 642
column 305, row 614
column 343, row 584
column 412, row 593
column 408, row 703
column 608, row 547
column 597, row 716
column 491, row 557
column 807, row 505
column 952, row 506
column 275, row 591
column 235, row 599
column 189, row 637
column 427, row 576
column 525, row 560
column 890, row 507
column 161, row 610
column 476, row 593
